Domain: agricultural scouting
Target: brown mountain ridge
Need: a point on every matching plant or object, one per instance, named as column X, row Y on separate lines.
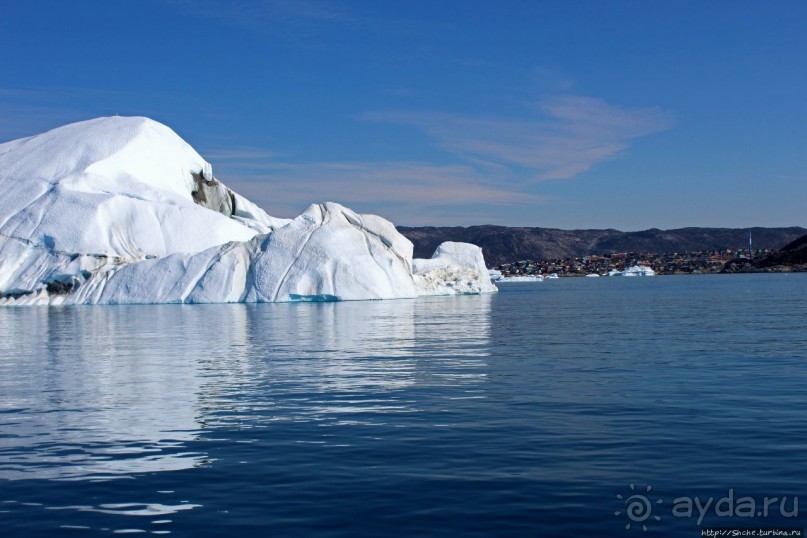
column 502, row 244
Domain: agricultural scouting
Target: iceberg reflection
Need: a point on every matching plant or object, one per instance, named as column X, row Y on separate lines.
column 100, row 393
column 96, row 393
column 345, row 363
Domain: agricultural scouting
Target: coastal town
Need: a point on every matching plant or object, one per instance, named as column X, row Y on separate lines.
column 701, row 262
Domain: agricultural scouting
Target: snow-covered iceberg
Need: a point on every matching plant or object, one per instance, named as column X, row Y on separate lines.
column 123, row 211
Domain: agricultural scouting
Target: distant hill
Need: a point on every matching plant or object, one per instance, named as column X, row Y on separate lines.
column 799, row 244
column 792, row 254
column 502, row 244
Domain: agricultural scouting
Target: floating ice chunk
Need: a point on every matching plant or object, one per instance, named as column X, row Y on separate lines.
column 454, row 268
column 122, row 210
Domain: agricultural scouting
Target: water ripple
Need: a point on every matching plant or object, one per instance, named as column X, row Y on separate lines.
column 522, row 413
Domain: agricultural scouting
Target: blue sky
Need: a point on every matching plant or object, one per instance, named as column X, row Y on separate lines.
column 566, row 114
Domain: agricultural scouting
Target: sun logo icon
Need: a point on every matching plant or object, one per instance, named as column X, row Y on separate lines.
column 638, row 507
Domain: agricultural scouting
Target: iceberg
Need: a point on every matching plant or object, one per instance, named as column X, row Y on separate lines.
column 454, row 268
column 121, row 210
column 633, row 270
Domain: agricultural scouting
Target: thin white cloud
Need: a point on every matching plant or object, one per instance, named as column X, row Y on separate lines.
column 558, row 138
column 497, row 161
column 403, row 189
column 386, row 182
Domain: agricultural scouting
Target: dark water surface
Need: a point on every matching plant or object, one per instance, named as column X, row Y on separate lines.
column 523, row 413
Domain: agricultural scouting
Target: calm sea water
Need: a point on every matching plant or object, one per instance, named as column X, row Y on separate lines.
column 524, row 413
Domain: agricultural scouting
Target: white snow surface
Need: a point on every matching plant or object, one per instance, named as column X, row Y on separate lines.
column 455, row 268
column 107, row 211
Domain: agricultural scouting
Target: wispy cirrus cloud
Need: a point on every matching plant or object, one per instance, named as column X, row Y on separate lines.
column 558, row 138
column 489, row 168
column 402, row 189
column 496, row 162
